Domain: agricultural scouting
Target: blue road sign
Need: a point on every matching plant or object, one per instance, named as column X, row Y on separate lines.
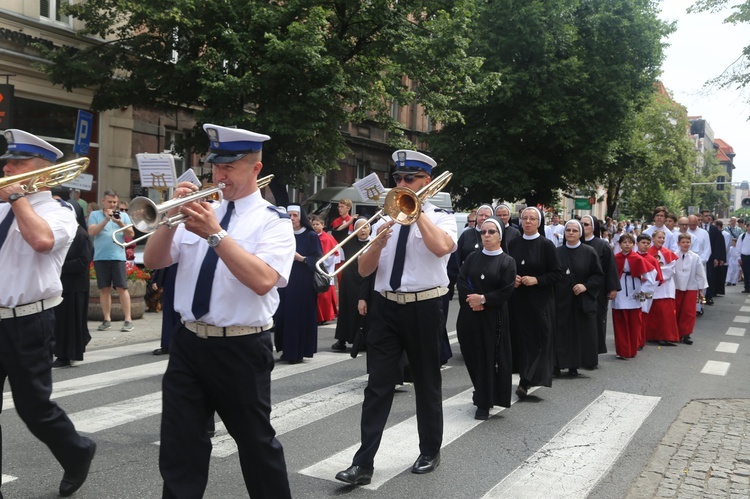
column 84, row 127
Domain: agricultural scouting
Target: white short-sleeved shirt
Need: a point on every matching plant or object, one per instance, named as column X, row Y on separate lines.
column 422, row 269
column 36, row 275
column 256, row 226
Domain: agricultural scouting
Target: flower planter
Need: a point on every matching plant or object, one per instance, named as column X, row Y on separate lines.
column 137, row 291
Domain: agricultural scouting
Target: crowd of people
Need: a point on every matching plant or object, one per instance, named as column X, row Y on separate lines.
column 533, row 299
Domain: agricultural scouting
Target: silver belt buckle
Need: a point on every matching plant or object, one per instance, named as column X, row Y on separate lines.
column 201, row 331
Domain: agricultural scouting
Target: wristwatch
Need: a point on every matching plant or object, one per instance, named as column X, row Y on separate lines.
column 482, row 301
column 15, row 196
column 215, row 239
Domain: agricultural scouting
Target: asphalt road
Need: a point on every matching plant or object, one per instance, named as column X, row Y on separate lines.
column 609, row 422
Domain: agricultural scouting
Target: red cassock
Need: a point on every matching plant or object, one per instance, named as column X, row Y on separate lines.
column 327, row 305
column 661, row 322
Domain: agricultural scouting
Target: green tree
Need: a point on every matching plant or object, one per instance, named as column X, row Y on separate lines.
column 652, row 164
column 573, row 71
column 296, row 70
column 707, row 196
column 736, row 75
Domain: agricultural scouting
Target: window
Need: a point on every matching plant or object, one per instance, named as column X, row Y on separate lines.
column 51, row 10
column 319, row 182
column 361, row 170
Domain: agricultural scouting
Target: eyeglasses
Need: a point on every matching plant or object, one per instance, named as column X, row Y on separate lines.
column 491, row 232
column 472, row 221
column 529, row 219
column 586, row 225
column 408, row 178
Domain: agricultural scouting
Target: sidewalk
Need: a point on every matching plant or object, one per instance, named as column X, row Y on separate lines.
column 705, row 453
column 146, row 329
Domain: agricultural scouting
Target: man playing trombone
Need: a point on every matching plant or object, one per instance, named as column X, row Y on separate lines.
column 231, row 260
column 35, row 234
column 406, row 316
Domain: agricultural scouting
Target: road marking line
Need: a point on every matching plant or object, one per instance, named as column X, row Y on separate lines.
column 9, row 478
column 727, row 347
column 126, row 411
column 743, row 319
column 400, row 444
column 118, row 352
column 574, row 460
column 716, row 368
column 745, row 309
column 736, row 331
column 97, row 381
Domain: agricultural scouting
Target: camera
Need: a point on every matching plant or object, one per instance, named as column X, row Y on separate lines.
column 116, row 214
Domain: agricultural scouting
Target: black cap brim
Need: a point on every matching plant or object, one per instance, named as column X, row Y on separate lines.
column 409, row 169
column 221, row 159
column 20, row 155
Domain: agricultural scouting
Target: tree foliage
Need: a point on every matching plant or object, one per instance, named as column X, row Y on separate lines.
column 296, row 70
column 738, row 74
column 707, row 196
column 573, row 71
column 653, row 161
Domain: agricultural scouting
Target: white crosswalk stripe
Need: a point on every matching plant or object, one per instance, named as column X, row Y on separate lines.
column 572, row 462
column 400, row 441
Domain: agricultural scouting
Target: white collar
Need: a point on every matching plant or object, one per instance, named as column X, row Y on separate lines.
column 589, row 238
column 300, row 231
column 496, row 252
column 567, row 244
column 529, row 238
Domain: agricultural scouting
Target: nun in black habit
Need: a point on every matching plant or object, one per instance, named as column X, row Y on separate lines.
column 611, row 285
column 353, row 290
column 576, row 342
column 532, row 305
column 296, row 319
column 485, row 282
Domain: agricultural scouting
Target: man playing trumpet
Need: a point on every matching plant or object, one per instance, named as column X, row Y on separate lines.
column 231, row 260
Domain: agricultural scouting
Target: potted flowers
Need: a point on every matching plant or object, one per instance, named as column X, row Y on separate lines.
column 137, row 282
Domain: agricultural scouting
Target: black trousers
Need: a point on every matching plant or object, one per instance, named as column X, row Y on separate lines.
column 233, row 377
column 712, row 276
column 26, row 346
column 746, row 271
column 414, row 328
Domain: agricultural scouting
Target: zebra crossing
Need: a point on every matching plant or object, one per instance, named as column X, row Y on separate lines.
column 610, row 421
column 721, row 368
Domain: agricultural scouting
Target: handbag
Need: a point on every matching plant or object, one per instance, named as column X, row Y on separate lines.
column 321, row 283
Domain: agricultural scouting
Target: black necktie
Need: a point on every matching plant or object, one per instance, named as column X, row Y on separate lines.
column 202, row 294
column 5, row 226
column 398, row 262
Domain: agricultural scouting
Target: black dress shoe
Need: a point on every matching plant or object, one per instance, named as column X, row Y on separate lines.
column 572, row 372
column 339, row 346
column 425, row 464
column 161, row 351
column 72, row 480
column 482, row 413
column 687, row 340
column 709, row 302
column 61, row 362
column 355, row 475
column 521, row 392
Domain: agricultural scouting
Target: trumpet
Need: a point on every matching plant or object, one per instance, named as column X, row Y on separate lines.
column 50, row 176
column 402, row 204
column 147, row 216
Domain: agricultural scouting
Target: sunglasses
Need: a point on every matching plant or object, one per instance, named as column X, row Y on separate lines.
column 408, row 178
column 472, row 221
column 491, row 232
column 586, row 225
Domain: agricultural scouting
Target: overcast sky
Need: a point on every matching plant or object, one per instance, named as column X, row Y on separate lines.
column 701, row 49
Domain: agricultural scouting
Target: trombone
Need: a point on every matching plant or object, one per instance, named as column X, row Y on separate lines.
column 50, row 176
column 147, row 216
column 402, row 204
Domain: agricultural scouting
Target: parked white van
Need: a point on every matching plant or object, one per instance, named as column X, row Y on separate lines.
column 322, row 201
